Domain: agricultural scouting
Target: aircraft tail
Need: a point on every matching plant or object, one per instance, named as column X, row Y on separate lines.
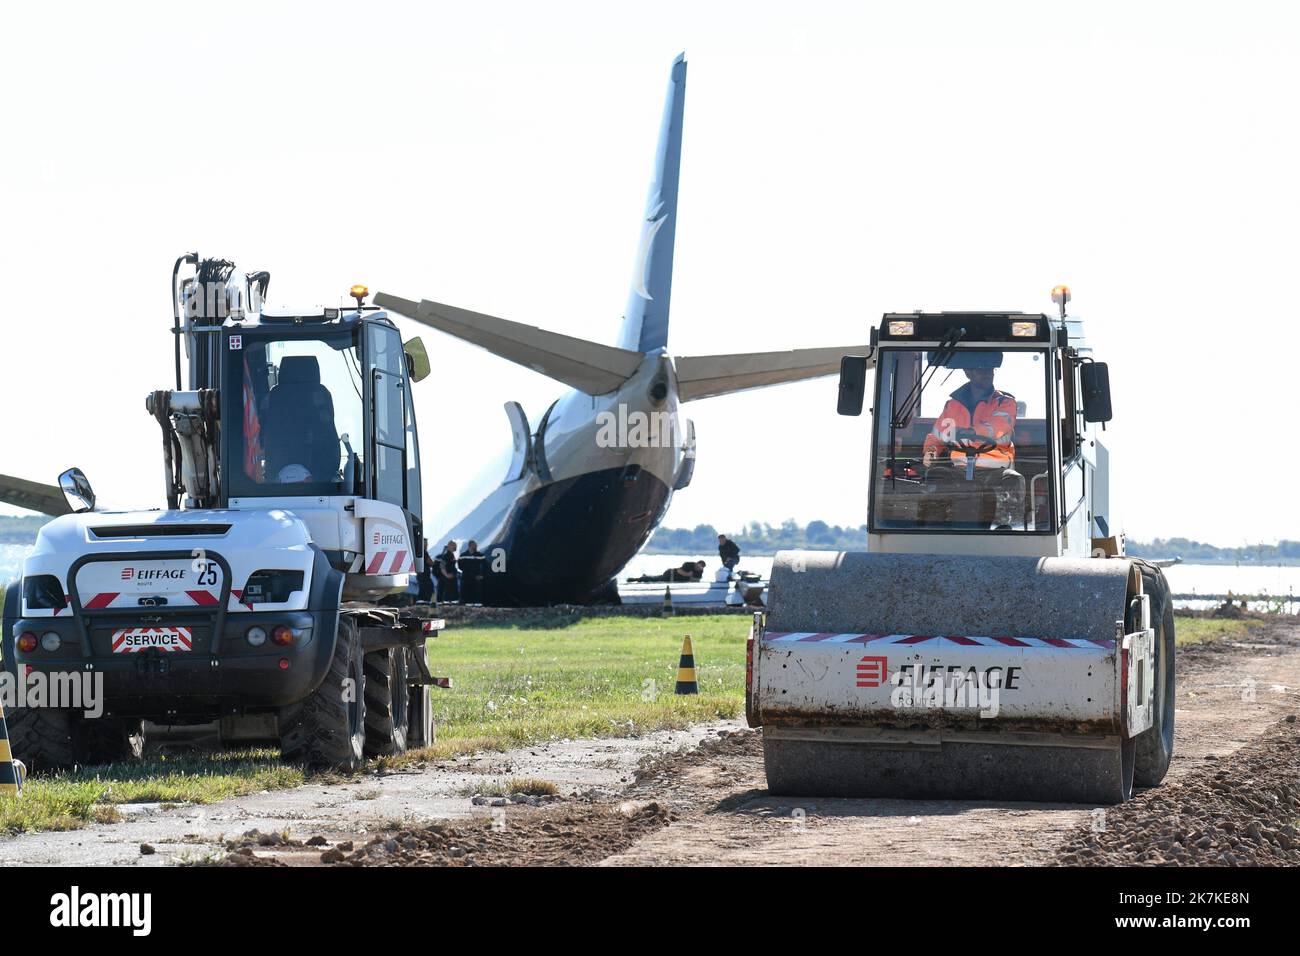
column 705, row 376
column 645, row 321
column 47, row 499
column 587, row 366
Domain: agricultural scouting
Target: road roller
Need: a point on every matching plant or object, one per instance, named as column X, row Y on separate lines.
column 993, row 642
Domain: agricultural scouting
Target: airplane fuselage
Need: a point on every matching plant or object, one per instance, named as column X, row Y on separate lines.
column 587, row 494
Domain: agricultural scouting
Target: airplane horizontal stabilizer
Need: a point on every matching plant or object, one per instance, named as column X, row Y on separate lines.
column 47, row 499
column 705, row 376
column 587, row 366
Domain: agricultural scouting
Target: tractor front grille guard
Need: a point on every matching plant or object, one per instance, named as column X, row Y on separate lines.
column 215, row 614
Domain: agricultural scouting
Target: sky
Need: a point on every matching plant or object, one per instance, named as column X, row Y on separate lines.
column 839, row 161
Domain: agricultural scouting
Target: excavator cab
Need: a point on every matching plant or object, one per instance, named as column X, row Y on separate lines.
column 304, row 409
column 320, row 408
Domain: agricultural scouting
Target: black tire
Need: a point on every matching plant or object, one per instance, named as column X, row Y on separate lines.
column 388, row 702
column 42, row 738
column 1155, row 747
column 46, row 739
column 328, row 728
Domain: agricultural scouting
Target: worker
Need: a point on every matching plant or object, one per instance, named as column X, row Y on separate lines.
column 471, row 575
column 689, row 571
column 977, row 429
column 975, row 416
column 729, row 552
column 448, row 582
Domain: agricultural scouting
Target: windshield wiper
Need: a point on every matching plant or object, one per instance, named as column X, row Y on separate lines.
column 947, row 346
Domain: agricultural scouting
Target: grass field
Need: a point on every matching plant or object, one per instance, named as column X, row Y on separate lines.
column 1194, row 630
column 607, row 676
column 71, row 800
column 513, row 685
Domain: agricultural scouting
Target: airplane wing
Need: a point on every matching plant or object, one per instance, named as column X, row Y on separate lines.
column 587, row 366
column 705, row 376
column 47, row 499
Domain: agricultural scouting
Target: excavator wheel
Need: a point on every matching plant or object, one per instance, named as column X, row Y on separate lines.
column 328, row 728
column 387, row 702
column 1155, row 747
column 47, row 739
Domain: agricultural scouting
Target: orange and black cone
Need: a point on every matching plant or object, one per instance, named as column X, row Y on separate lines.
column 686, row 683
column 11, row 778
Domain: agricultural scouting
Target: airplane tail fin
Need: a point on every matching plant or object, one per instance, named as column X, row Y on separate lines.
column 645, row 321
column 705, row 376
column 587, row 366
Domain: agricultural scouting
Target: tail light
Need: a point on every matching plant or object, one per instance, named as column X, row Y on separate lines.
column 27, row 642
column 282, row 635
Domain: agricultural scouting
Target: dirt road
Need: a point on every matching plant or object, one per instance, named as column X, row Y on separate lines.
column 698, row 797
column 710, row 806
column 1227, row 695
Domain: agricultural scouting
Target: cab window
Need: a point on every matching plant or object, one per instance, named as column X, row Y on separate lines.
column 298, row 425
column 962, row 441
column 388, row 419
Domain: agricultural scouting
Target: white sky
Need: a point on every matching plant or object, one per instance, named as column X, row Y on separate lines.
column 840, row 161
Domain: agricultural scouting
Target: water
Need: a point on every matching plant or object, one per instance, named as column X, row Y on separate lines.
column 1183, row 578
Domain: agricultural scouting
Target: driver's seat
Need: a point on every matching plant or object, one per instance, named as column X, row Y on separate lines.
column 299, row 428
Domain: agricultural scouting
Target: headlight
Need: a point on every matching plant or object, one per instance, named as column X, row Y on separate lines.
column 256, row 636
column 1024, row 330
column 902, row 328
column 50, row 641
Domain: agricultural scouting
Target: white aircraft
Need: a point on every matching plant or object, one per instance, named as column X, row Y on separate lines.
column 575, row 497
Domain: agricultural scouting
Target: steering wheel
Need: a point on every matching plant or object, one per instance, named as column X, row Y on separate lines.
column 971, row 442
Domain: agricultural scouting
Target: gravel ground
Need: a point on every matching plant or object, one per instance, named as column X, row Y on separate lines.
column 1242, row 810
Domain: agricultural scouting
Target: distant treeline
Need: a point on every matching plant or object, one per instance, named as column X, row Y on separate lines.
column 760, row 538
column 1197, row 552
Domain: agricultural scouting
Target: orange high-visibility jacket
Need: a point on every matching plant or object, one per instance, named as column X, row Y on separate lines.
column 992, row 418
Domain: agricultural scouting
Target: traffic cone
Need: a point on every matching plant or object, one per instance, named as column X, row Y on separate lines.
column 11, row 778
column 668, row 602
column 686, row 683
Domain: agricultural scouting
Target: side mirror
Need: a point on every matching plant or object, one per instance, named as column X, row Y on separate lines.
column 76, row 488
column 417, row 360
column 853, row 384
column 1095, row 379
